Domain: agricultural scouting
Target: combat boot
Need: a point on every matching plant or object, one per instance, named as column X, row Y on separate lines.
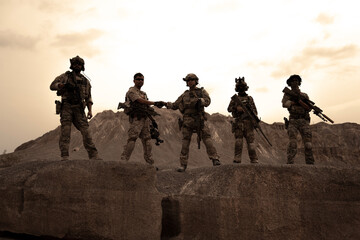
column 216, row 162
column 254, row 161
column 182, row 168
column 64, row 158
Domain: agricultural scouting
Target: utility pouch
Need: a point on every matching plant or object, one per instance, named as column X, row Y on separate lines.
column 58, row 106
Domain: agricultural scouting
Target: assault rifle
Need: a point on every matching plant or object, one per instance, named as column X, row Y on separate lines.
column 307, row 104
column 149, row 112
column 254, row 119
column 154, row 133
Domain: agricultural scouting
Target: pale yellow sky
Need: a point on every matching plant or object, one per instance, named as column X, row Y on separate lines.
column 219, row 40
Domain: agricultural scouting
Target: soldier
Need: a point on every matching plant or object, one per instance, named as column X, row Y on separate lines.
column 75, row 91
column 139, row 117
column 191, row 104
column 299, row 120
column 243, row 126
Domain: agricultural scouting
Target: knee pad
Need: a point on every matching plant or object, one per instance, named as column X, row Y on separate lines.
column 251, row 146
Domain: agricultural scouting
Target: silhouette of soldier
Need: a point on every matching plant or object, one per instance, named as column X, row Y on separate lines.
column 75, row 91
column 191, row 104
column 243, row 126
column 299, row 121
column 139, row 111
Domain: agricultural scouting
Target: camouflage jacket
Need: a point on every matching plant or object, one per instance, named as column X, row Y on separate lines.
column 247, row 101
column 134, row 93
column 296, row 110
column 191, row 101
column 80, row 87
column 137, row 109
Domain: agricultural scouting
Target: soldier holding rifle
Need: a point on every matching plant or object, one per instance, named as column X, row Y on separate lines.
column 191, row 104
column 137, row 106
column 299, row 105
column 75, row 91
column 243, row 109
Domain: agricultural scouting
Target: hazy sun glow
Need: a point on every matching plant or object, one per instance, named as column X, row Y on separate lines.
column 219, row 40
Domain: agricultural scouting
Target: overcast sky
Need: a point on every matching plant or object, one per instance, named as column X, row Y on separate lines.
column 265, row 41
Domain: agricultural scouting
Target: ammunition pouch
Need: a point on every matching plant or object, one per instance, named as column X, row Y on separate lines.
column 73, row 101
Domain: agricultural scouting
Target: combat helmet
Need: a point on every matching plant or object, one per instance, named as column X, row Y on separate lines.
column 75, row 60
column 241, row 85
column 293, row 78
column 191, row 76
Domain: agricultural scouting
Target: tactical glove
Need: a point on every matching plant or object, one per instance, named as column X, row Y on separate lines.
column 159, row 104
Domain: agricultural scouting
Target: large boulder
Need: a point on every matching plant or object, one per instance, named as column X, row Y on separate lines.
column 261, row 202
column 80, row 199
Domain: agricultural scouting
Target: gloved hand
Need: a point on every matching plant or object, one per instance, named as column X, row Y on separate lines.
column 200, row 102
column 159, row 104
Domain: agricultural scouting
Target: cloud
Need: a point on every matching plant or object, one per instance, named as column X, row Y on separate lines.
column 325, row 19
column 9, row 39
column 315, row 56
column 81, row 42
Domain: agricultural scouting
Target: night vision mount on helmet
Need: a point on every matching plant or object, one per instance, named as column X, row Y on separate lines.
column 241, row 85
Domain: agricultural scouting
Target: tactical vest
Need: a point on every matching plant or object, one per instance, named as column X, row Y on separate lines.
column 241, row 115
column 296, row 111
column 138, row 110
column 74, row 91
column 189, row 107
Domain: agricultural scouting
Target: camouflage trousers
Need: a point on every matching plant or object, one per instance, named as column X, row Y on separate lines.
column 187, row 131
column 75, row 114
column 244, row 129
column 302, row 126
column 138, row 129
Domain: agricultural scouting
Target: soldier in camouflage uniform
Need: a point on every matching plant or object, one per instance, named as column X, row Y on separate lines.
column 138, row 111
column 191, row 104
column 75, row 91
column 243, row 126
column 299, row 121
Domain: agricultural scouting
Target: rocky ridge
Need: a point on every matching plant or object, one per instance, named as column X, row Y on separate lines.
column 41, row 196
column 335, row 145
